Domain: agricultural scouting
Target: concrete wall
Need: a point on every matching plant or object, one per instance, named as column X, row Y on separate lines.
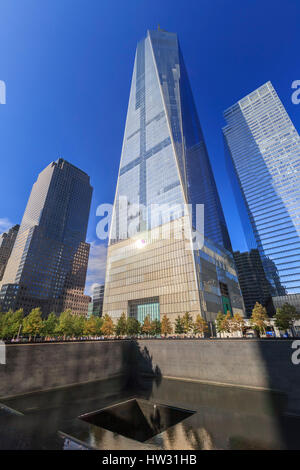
column 33, row 367
column 250, row 363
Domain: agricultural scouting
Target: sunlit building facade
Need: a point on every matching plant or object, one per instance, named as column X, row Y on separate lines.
column 7, row 241
column 263, row 157
column 47, row 266
column 164, row 163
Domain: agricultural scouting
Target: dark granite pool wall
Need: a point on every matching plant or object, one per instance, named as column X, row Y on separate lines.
column 35, row 367
column 250, row 363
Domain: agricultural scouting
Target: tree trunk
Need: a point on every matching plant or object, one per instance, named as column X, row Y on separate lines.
column 18, row 335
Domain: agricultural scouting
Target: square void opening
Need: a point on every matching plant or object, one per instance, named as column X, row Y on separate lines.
column 137, row 419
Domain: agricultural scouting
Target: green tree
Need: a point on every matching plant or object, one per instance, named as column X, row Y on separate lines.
column 1, row 324
column 282, row 320
column 90, row 326
column 227, row 322
column 285, row 316
column 220, row 322
column 33, row 323
column 133, row 326
column 259, row 319
column 179, row 326
column 65, row 324
column 147, row 327
column 99, row 324
column 237, row 323
column 5, row 325
column 166, row 326
column 17, row 322
column 78, row 325
column 156, row 327
column 121, row 326
column 11, row 324
column 223, row 322
column 290, row 310
column 50, row 325
column 187, row 321
column 200, row 326
column 108, row 326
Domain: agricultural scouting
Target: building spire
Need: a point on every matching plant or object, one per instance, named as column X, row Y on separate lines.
column 160, row 29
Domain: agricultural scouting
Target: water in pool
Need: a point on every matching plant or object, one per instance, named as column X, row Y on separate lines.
column 205, row 417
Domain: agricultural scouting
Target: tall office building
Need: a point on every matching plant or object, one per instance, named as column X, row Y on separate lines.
column 47, row 266
column 263, row 156
column 164, row 163
column 96, row 304
column 7, row 241
column 253, row 281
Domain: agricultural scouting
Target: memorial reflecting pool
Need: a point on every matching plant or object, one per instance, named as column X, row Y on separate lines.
column 150, row 414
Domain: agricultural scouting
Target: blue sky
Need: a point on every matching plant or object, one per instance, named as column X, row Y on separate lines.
column 67, row 66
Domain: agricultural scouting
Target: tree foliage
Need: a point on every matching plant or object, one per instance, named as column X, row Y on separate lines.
column 99, row 324
column 11, row 323
column 50, row 325
column 78, row 325
column 133, row 326
column 200, row 326
column 220, row 322
column 156, row 327
column 108, row 326
column 259, row 319
column 90, row 326
column 179, row 326
column 285, row 316
column 187, row 321
column 121, row 326
column 237, row 323
column 33, row 323
column 166, row 327
column 65, row 325
column 147, row 327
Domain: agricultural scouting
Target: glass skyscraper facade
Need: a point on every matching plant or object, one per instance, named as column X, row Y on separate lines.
column 253, row 281
column 263, row 157
column 164, row 163
column 47, row 266
column 96, row 304
column 164, row 157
